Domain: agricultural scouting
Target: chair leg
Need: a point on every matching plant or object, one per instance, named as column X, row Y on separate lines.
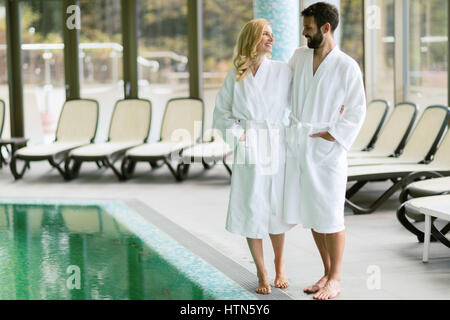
column 127, row 168
column 355, row 188
column 57, row 164
column 99, row 164
column 110, row 164
column 2, row 158
column 208, row 166
column 227, row 166
column 155, row 164
column 446, row 229
column 440, row 235
column 18, row 174
column 172, row 170
column 388, row 193
column 182, row 170
column 72, row 171
column 404, row 195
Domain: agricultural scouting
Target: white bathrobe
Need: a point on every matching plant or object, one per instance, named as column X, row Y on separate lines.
column 316, row 169
column 256, row 105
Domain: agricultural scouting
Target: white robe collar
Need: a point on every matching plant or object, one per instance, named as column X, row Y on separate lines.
column 325, row 61
column 261, row 70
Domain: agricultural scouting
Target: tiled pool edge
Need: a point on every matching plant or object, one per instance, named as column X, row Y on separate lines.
column 214, row 283
column 225, row 265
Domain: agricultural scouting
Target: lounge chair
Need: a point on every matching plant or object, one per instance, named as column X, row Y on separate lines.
column 433, row 207
column 2, row 124
column 377, row 111
column 393, row 136
column 181, row 128
column 130, row 126
column 2, row 116
column 419, row 189
column 422, row 144
column 77, row 126
column 212, row 150
column 400, row 175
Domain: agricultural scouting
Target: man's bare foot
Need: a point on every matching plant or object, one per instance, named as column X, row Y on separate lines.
column 317, row 286
column 330, row 291
column 263, row 284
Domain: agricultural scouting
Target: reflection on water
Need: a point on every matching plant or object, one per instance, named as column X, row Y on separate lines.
column 80, row 252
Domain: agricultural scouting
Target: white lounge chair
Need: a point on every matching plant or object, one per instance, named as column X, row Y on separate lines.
column 212, row 150
column 419, row 189
column 77, row 126
column 432, row 207
column 393, row 135
column 2, row 116
column 2, row 124
column 401, row 175
column 376, row 114
column 181, row 128
column 421, row 145
column 130, row 126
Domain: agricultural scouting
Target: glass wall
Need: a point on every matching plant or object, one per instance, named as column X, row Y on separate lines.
column 379, row 48
column 162, row 55
column 101, row 54
column 351, row 30
column 222, row 22
column 4, row 93
column 426, row 83
column 43, row 68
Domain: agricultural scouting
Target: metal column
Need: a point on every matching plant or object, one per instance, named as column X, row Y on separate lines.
column 15, row 79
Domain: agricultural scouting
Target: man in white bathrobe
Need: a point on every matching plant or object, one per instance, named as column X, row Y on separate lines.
column 325, row 79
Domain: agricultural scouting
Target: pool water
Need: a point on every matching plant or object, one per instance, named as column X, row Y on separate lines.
column 66, row 251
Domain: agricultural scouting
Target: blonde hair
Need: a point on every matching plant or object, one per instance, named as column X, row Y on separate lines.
column 245, row 51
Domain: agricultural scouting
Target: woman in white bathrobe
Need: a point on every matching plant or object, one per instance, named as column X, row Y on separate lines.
column 250, row 110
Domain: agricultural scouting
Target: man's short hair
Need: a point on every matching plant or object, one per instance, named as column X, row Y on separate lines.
column 323, row 12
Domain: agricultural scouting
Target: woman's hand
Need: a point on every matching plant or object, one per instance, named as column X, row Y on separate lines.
column 324, row 135
column 242, row 137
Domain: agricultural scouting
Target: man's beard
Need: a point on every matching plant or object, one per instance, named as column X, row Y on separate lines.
column 316, row 40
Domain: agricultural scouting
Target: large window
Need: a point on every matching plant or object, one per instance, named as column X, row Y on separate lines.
column 427, row 52
column 43, row 68
column 101, row 54
column 163, row 55
column 4, row 93
column 351, row 29
column 222, row 22
column 380, row 50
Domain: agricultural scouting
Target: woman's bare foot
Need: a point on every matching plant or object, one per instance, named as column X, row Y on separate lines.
column 317, row 286
column 281, row 281
column 330, row 291
column 280, row 278
column 263, row 284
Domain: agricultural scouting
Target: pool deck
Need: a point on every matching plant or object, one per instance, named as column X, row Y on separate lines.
column 198, row 205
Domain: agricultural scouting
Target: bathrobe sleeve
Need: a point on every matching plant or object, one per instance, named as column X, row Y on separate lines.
column 223, row 116
column 346, row 129
column 293, row 60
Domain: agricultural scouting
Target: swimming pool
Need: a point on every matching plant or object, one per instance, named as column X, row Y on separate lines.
column 98, row 250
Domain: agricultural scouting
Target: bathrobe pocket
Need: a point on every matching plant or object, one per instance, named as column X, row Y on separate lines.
column 322, row 150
